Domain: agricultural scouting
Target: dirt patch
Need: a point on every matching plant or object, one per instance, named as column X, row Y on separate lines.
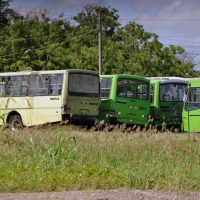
column 117, row 194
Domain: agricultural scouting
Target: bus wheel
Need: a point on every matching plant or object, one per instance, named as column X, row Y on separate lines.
column 15, row 123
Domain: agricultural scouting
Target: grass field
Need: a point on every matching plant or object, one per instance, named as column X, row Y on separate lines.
column 53, row 158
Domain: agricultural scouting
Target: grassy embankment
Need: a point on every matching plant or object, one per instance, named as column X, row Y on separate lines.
column 61, row 158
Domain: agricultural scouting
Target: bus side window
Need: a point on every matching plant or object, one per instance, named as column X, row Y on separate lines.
column 56, row 82
column 124, row 88
column 39, row 85
column 2, row 86
column 24, row 86
column 106, row 87
column 142, row 90
column 17, row 86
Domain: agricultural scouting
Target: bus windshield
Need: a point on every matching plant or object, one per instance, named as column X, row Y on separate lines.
column 105, row 87
column 81, row 84
column 193, row 99
column 172, row 92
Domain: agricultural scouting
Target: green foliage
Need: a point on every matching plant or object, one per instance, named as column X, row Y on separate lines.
column 37, row 42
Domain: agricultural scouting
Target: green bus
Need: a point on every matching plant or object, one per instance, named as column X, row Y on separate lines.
column 191, row 110
column 125, row 99
column 166, row 94
column 38, row 97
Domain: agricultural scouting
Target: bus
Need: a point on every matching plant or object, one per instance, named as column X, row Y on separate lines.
column 191, row 110
column 167, row 94
column 124, row 99
column 39, row 97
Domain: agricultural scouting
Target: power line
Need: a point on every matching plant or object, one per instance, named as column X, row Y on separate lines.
column 180, row 40
column 162, row 20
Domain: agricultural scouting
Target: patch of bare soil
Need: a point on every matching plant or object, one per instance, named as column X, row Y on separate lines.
column 117, row 194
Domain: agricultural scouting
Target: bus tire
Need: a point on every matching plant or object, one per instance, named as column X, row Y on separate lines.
column 15, row 123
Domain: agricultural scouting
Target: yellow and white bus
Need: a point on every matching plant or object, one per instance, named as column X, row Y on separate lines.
column 39, row 97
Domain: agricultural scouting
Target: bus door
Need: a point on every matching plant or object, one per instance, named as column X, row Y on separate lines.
column 132, row 101
column 45, row 97
column 171, row 103
column 192, row 111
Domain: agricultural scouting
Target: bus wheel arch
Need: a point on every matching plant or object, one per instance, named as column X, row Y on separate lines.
column 14, row 121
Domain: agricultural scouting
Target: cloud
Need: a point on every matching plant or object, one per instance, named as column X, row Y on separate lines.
column 73, row 3
column 179, row 18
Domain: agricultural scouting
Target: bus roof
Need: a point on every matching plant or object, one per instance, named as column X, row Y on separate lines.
column 124, row 76
column 46, row 72
column 171, row 79
column 194, row 82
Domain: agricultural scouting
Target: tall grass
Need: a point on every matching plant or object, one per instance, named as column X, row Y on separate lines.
column 60, row 158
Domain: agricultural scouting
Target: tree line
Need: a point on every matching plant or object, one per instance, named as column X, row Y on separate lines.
column 37, row 41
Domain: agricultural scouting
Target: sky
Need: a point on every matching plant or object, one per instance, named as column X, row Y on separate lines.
column 174, row 21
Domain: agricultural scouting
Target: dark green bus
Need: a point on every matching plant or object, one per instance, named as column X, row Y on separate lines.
column 167, row 94
column 125, row 99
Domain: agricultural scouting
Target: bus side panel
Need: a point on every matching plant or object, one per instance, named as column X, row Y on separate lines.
column 185, row 121
column 104, row 110
column 108, row 106
column 194, row 121
column 17, row 104
column 45, row 109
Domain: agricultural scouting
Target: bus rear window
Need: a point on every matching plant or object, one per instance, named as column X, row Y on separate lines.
column 105, row 87
column 172, row 92
column 135, row 89
column 83, row 84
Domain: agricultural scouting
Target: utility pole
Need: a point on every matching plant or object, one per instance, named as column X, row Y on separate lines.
column 100, row 42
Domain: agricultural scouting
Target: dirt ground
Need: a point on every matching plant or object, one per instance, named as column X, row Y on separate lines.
column 117, row 194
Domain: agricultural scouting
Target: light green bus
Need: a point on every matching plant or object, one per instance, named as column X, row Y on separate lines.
column 166, row 96
column 191, row 110
column 124, row 99
column 39, row 97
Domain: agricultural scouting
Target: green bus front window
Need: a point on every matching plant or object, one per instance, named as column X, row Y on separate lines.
column 193, row 99
column 172, row 92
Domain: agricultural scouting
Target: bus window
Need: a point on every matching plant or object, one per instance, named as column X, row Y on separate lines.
column 39, row 85
column 2, row 86
column 152, row 93
column 105, row 87
column 193, row 99
column 56, row 82
column 142, row 90
column 172, row 92
column 83, row 85
column 135, row 89
column 17, row 86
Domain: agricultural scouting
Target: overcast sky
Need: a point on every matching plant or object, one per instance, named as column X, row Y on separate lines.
column 175, row 21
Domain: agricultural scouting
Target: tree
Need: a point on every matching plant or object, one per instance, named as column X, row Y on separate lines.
column 89, row 14
column 38, row 42
column 134, row 51
column 6, row 13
